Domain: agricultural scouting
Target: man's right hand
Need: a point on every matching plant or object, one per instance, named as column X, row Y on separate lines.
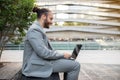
column 67, row 55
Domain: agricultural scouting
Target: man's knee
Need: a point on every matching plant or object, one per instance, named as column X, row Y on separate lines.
column 77, row 65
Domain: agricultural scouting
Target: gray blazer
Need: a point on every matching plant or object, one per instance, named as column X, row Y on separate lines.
column 38, row 53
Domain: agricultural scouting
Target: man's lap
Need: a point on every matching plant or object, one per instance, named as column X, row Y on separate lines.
column 63, row 65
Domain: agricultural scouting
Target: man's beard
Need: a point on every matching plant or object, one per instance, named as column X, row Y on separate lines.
column 46, row 24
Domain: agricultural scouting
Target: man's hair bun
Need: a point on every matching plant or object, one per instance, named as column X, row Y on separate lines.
column 41, row 11
column 35, row 9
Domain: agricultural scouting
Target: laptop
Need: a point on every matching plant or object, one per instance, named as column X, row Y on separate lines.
column 76, row 51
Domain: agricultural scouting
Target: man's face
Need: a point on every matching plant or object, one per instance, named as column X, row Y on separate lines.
column 48, row 20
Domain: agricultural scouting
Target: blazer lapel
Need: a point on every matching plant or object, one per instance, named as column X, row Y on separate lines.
column 50, row 45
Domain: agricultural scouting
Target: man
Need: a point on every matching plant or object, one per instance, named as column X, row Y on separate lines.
column 40, row 60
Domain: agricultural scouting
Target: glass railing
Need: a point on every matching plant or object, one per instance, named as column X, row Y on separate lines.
column 68, row 45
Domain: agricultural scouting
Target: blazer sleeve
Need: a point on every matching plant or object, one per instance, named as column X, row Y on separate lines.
column 36, row 40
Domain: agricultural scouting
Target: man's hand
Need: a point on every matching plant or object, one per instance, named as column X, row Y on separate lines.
column 67, row 55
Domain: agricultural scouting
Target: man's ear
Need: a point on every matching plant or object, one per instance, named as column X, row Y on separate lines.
column 44, row 16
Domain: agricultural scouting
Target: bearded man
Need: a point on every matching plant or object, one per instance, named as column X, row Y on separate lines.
column 40, row 60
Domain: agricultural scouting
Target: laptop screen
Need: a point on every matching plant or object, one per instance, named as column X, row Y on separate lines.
column 76, row 51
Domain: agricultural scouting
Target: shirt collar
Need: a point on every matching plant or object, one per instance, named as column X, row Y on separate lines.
column 39, row 26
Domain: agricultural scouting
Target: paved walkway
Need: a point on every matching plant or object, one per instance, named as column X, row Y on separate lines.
column 85, row 56
column 99, row 72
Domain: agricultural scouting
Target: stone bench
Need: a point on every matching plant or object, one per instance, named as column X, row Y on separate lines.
column 54, row 76
column 19, row 76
